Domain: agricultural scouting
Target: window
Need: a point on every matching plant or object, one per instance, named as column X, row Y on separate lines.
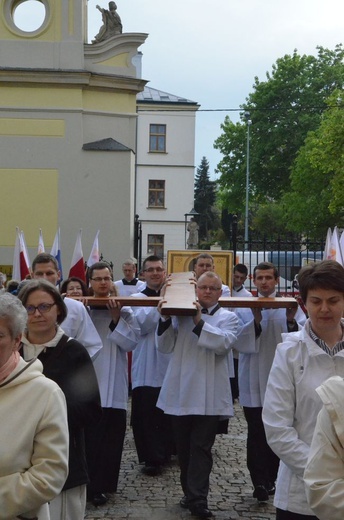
column 156, row 194
column 157, row 138
column 155, row 245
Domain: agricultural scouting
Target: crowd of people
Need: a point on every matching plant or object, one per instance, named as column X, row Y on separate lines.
column 68, row 366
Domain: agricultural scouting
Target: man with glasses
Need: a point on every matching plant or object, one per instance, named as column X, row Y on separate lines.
column 119, row 332
column 196, row 390
column 151, row 429
column 77, row 324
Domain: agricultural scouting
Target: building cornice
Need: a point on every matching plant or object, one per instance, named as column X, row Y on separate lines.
column 71, row 78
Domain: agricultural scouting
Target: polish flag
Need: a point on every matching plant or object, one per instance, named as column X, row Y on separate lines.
column 41, row 248
column 94, row 256
column 56, row 251
column 78, row 265
column 21, row 262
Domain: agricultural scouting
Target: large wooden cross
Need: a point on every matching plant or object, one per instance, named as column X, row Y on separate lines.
column 180, row 295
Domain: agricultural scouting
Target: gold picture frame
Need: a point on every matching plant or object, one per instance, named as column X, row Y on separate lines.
column 180, row 261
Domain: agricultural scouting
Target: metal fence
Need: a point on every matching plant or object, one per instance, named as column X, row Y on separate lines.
column 288, row 255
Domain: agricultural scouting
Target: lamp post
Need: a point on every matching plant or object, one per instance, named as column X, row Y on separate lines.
column 249, row 123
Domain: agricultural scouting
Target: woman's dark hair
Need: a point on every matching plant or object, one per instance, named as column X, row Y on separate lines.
column 327, row 274
column 64, row 286
column 44, row 285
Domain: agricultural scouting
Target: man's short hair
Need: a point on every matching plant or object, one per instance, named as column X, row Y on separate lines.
column 44, row 258
column 265, row 266
column 327, row 274
column 241, row 268
column 129, row 262
column 99, row 265
column 151, row 258
column 204, row 256
column 210, row 274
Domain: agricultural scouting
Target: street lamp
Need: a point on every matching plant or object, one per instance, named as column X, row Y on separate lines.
column 249, row 123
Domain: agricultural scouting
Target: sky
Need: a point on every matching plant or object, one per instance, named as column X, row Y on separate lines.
column 210, row 52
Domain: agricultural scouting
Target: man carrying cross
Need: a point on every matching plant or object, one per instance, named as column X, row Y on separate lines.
column 196, row 390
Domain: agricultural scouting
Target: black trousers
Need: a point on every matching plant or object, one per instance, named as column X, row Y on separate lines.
column 104, row 446
column 262, row 462
column 195, row 436
column 152, row 429
column 287, row 515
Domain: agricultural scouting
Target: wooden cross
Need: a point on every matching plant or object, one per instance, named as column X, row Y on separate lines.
column 180, row 296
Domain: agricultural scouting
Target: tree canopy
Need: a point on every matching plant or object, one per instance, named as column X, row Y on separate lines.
column 205, row 197
column 284, row 109
column 316, row 198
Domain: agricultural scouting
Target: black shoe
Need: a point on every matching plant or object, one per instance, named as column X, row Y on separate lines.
column 184, row 503
column 99, row 499
column 152, row 470
column 200, row 511
column 261, row 494
column 271, row 489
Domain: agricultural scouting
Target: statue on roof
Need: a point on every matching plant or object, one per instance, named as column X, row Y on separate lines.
column 112, row 24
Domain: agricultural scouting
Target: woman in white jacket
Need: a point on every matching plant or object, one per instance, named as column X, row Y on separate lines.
column 324, row 474
column 33, row 425
column 302, row 361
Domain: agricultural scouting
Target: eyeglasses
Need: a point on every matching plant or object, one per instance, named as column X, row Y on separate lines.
column 209, row 288
column 43, row 308
column 100, row 279
column 154, row 269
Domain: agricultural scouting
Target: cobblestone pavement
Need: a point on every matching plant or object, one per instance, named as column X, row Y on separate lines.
column 140, row 497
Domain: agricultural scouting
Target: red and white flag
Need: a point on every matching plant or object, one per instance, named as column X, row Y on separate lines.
column 94, row 256
column 78, row 265
column 21, row 262
column 41, row 248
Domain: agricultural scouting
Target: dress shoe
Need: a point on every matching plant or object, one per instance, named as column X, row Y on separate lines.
column 152, row 470
column 200, row 511
column 271, row 489
column 261, row 493
column 184, row 503
column 99, row 499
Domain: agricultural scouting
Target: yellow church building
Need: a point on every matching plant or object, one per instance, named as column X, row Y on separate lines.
column 67, row 132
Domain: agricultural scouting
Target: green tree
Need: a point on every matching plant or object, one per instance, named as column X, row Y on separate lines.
column 283, row 109
column 205, row 197
column 316, row 199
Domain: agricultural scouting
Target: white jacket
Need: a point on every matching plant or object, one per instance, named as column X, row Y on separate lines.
column 34, row 442
column 290, row 411
column 324, row 474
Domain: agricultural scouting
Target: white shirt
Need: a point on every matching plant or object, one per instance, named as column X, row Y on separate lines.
column 197, row 377
column 111, row 364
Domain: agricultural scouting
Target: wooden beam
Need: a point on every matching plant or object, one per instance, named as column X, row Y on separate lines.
column 180, row 295
column 259, row 302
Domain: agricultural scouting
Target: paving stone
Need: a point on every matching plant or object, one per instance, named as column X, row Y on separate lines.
column 140, row 497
